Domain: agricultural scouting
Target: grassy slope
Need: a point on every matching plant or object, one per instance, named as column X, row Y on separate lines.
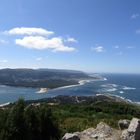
column 71, row 116
column 77, row 117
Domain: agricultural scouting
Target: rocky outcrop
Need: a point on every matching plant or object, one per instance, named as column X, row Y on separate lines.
column 133, row 131
column 69, row 136
column 102, row 132
column 123, row 124
column 129, row 130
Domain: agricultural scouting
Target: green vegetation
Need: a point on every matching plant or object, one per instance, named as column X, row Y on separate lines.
column 50, row 122
column 77, row 117
column 49, row 78
column 27, row 123
column 51, row 83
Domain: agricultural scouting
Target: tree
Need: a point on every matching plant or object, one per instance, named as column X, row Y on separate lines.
column 15, row 125
column 32, row 122
column 49, row 130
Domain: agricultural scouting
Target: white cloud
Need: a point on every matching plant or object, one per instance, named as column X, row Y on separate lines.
column 71, row 39
column 38, row 38
column 29, row 31
column 134, row 16
column 3, row 61
column 39, row 59
column 40, row 43
column 98, row 49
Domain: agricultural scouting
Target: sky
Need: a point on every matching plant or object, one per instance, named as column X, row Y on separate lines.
column 87, row 35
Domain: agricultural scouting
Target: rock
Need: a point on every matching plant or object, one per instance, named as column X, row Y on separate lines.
column 88, row 132
column 102, row 130
column 133, row 131
column 69, row 136
column 123, row 124
column 125, row 135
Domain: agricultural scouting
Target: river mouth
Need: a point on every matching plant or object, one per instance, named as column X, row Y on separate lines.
column 123, row 86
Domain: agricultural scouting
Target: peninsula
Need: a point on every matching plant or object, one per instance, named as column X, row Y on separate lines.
column 42, row 78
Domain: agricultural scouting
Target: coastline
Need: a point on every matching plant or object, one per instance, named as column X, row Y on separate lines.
column 5, row 104
column 43, row 90
column 115, row 98
column 64, row 99
column 80, row 83
column 120, row 97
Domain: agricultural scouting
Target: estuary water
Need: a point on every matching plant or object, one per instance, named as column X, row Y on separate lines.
column 126, row 86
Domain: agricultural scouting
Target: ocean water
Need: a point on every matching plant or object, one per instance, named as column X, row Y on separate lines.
column 123, row 85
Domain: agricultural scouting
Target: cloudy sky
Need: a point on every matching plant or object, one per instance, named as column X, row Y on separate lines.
column 88, row 35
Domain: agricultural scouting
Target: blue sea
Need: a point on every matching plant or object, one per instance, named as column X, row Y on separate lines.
column 126, row 86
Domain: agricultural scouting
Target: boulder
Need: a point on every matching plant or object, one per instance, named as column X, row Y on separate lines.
column 126, row 136
column 88, row 132
column 102, row 130
column 70, row 136
column 123, row 124
column 133, row 131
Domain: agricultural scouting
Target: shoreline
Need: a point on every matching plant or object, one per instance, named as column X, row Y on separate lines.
column 80, row 83
column 120, row 97
column 110, row 96
column 116, row 96
column 5, row 104
column 43, row 90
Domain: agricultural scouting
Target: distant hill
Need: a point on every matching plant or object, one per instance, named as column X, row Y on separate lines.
column 50, row 78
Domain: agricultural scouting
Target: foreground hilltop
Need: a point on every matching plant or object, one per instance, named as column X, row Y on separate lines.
column 69, row 116
column 79, row 115
column 72, row 100
column 128, row 130
column 47, row 78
